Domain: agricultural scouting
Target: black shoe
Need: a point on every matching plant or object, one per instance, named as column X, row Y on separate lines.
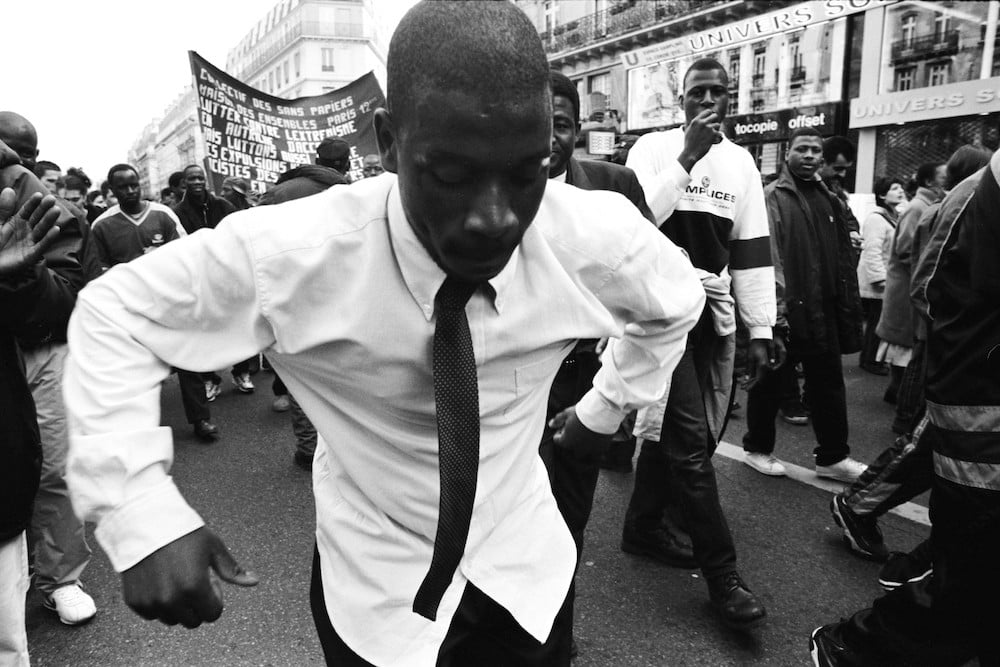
column 793, row 412
column 206, row 431
column 861, row 534
column 660, row 545
column 876, row 369
column 828, row 648
column 304, row 461
column 736, row 604
column 902, row 568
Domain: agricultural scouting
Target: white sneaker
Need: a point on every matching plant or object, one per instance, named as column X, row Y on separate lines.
column 281, row 403
column 73, row 605
column 212, row 390
column 243, row 383
column 847, row 470
column 765, row 463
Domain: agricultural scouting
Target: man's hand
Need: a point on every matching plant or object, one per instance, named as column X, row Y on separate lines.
column 174, row 584
column 570, row 433
column 25, row 235
column 763, row 356
column 857, row 240
column 701, row 133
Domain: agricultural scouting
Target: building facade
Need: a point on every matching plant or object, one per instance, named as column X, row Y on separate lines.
column 907, row 81
column 300, row 48
column 310, row 47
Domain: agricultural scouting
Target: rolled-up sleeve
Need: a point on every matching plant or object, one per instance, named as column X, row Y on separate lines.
column 657, row 295
column 129, row 327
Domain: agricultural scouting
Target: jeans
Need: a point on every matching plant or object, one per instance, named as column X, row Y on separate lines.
column 13, row 589
column 869, row 346
column 682, row 462
column 57, row 537
column 193, row 396
column 824, row 386
column 302, row 427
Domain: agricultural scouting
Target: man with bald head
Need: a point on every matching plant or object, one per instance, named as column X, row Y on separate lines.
column 419, row 319
column 20, row 136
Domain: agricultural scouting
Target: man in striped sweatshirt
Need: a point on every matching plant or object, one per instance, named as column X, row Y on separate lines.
column 705, row 194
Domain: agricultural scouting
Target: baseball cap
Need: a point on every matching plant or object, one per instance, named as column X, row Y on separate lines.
column 333, row 149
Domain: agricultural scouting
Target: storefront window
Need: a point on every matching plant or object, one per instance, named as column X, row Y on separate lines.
column 932, row 44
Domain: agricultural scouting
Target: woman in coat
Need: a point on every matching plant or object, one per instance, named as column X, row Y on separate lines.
column 877, row 233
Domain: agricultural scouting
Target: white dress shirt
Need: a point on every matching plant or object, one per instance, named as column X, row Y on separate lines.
column 340, row 293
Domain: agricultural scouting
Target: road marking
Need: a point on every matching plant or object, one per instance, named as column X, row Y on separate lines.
column 911, row 511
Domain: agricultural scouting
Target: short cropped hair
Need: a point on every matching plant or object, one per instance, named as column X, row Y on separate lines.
column 966, row 161
column 561, row 85
column 501, row 54
column 176, row 179
column 704, row 65
column 43, row 166
column 325, row 176
column 193, row 165
column 120, row 167
column 837, row 145
column 926, row 172
column 804, row 132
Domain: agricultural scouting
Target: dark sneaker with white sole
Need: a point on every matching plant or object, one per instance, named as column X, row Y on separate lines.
column 861, row 533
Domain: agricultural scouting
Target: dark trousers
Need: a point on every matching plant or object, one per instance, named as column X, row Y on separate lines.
column 824, row 377
column 481, row 633
column 869, row 346
column 951, row 616
column 900, row 473
column 193, row 396
column 682, row 462
column 910, row 397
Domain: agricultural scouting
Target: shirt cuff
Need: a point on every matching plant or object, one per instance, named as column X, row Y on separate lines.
column 146, row 523
column 760, row 332
column 599, row 415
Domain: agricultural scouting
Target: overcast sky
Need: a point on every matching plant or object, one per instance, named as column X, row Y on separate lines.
column 90, row 74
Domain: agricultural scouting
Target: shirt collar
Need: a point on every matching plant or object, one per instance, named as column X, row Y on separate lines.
column 422, row 275
column 561, row 177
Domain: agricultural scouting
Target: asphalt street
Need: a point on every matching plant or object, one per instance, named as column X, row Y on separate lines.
column 630, row 611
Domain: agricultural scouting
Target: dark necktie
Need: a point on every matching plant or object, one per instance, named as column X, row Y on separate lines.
column 456, row 396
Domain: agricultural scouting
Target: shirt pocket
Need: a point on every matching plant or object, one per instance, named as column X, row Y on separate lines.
column 530, row 380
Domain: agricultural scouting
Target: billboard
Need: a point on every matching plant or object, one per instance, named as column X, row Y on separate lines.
column 257, row 136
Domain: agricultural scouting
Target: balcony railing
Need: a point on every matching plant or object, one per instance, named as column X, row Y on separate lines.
column 798, row 74
column 619, row 19
column 757, row 81
column 926, row 46
column 295, row 31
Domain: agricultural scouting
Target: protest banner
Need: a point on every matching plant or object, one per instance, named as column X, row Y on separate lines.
column 257, row 136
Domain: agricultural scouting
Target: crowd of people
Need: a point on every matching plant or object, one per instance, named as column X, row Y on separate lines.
column 552, row 315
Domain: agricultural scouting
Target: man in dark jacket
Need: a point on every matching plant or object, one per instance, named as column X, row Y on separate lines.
column 950, row 616
column 60, row 549
column 574, row 478
column 818, row 306
column 200, row 209
column 30, row 300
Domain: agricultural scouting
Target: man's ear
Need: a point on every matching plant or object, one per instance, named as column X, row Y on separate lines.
column 385, row 135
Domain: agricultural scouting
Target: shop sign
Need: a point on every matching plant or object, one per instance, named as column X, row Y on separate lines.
column 748, row 30
column 965, row 98
column 778, row 125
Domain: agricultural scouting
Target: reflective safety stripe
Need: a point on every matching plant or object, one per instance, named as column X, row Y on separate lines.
column 968, row 418
column 968, row 473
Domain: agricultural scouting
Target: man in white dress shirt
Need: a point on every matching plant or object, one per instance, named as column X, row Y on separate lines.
column 314, row 282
